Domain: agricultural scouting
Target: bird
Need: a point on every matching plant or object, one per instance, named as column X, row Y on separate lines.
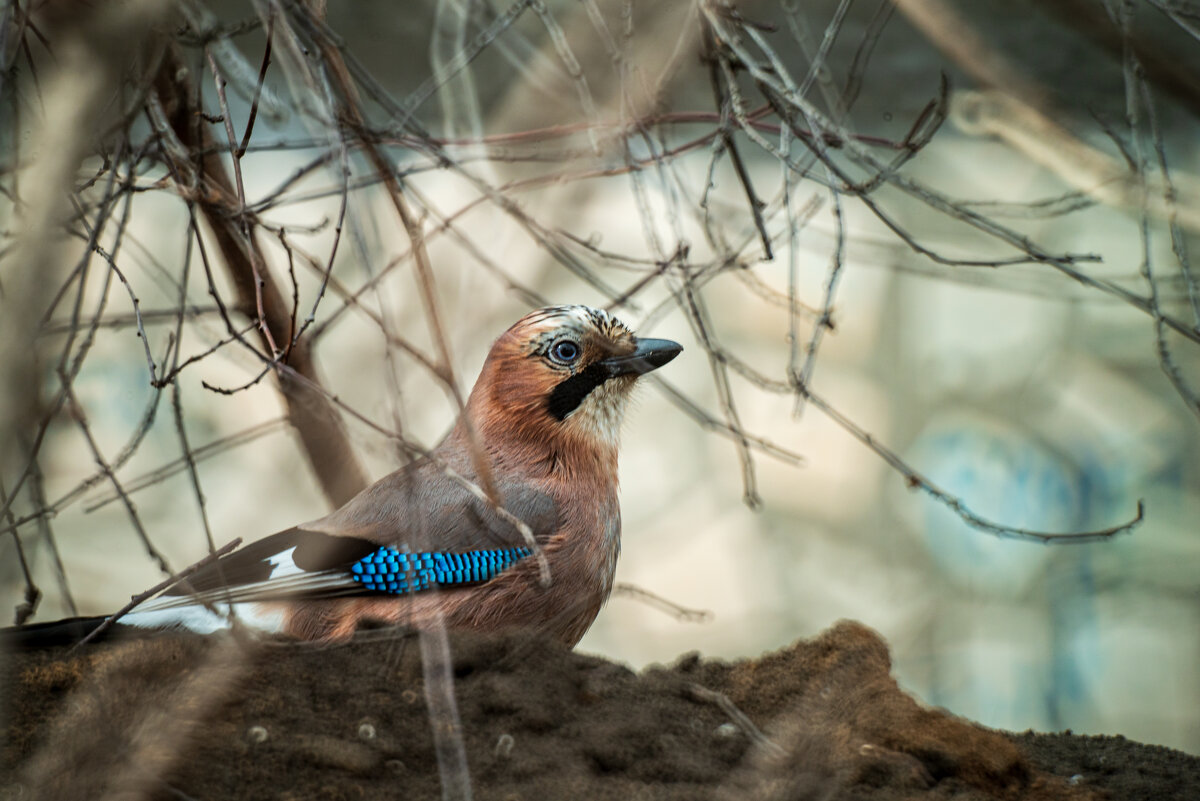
column 424, row 544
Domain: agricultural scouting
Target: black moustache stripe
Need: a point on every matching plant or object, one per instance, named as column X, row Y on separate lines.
column 566, row 397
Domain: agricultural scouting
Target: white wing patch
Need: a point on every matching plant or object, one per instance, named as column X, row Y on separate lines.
column 283, row 564
column 248, row 602
column 202, row 620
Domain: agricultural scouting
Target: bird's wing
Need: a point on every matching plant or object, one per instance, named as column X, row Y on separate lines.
column 447, row 515
column 410, row 531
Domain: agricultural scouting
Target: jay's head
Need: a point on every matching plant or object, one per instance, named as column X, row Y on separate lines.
column 565, row 371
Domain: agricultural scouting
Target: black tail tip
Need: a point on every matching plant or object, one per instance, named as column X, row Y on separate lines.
column 55, row 634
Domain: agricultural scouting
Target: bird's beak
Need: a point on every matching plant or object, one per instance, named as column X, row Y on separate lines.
column 650, row 355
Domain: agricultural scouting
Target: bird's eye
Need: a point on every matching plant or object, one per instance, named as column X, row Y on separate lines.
column 564, row 351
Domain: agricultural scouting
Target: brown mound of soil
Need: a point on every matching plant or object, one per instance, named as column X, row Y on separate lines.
column 212, row 718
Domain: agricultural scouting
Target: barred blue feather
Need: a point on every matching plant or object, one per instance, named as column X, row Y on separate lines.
column 398, row 573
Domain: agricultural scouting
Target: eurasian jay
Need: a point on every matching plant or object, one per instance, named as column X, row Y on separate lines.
column 546, row 413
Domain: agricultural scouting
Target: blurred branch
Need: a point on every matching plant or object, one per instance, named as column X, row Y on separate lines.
column 29, row 604
column 774, row 80
column 205, row 182
column 1138, row 99
column 351, row 114
column 1080, row 165
column 75, row 409
column 680, row 613
column 917, row 481
column 94, row 53
column 1163, row 68
column 955, row 36
column 47, row 509
column 703, row 328
column 729, row 145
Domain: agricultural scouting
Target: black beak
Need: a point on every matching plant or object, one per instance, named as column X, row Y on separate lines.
column 650, row 355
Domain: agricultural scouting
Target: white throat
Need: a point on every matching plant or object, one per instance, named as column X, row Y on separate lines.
column 601, row 413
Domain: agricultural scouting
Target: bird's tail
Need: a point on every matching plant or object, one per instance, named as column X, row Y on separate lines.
column 53, row 634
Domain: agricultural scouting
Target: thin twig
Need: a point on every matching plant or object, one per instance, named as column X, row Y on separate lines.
column 917, row 481
column 32, row 593
column 258, row 87
column 166, row 583
column 680, row 613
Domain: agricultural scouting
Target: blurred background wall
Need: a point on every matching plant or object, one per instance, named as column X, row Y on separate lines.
column 579, row 153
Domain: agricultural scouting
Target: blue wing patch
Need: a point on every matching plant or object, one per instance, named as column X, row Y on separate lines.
column 391, row 571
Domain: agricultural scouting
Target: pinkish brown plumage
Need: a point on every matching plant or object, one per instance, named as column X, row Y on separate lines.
column 573, row 461
column 546, row 411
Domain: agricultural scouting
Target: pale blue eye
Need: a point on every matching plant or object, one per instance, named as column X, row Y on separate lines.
column 564, row 351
